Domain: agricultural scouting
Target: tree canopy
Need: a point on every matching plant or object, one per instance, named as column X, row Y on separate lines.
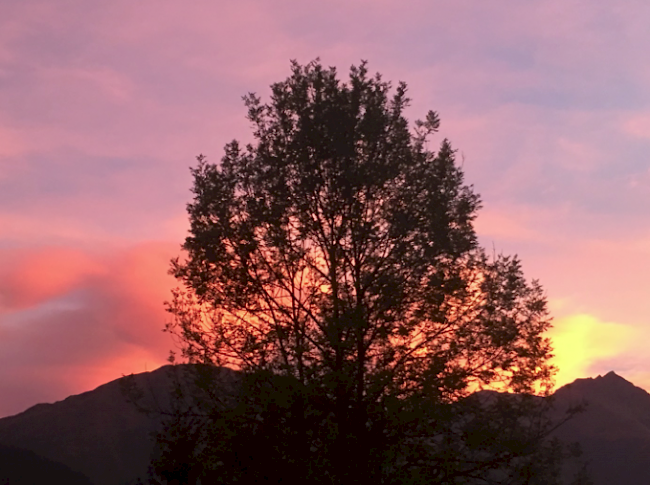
column 333, row 262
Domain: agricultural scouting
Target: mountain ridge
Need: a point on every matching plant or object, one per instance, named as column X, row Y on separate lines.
column 100, row 434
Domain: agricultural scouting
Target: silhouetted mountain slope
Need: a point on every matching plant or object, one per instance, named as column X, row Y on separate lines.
column 103, row 436
column 613, row 431
column 98, row 433
column 24, row 467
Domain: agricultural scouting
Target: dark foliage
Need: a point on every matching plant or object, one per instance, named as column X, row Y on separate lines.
column 335, row 264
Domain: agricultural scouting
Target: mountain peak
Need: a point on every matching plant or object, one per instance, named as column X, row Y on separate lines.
column 612, row 379
column 610, row 375
column 611, row 388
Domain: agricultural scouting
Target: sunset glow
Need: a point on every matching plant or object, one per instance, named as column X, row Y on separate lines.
column 580, row 341
column 105, row 106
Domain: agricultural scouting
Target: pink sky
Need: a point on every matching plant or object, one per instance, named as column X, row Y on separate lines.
column 104, row 105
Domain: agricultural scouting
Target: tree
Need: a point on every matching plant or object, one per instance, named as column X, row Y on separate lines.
column 334, row 263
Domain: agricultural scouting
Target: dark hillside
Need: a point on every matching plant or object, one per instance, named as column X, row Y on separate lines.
column 614, row 431
column 98, row 433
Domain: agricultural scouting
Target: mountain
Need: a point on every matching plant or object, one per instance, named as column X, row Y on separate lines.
column 613, row 431
column 103, row 436
column 98, row 433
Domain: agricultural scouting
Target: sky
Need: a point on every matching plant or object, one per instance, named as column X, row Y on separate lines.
column 105, row 105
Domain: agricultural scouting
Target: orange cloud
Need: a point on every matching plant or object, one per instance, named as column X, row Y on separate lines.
column 140, row 283
column 32, row 276
column 74, row 320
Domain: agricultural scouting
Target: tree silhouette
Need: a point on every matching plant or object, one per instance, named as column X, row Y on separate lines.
column 334, row 263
